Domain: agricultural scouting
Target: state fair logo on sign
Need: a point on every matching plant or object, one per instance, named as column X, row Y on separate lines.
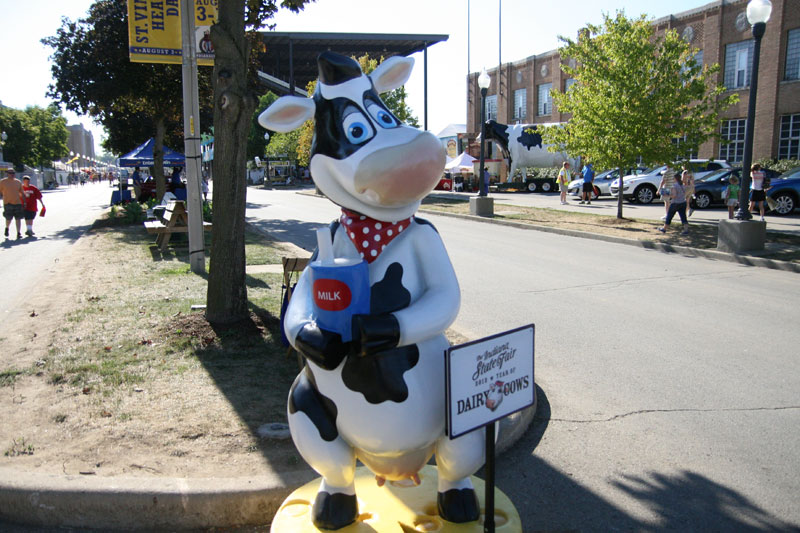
column 331, row 294
column 489, row 379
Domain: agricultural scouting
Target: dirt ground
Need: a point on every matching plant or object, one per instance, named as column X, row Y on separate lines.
column 189, row 420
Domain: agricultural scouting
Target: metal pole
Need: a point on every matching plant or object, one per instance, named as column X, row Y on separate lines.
column 425, row 83
column 488, row 498
column 191, row 140
column 743, row 213
column 481, row 186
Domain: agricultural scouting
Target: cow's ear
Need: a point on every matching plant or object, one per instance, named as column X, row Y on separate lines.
column 392, row 73
column 287, row 113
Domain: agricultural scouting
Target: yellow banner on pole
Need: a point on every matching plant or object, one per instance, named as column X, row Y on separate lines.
column 154, row 31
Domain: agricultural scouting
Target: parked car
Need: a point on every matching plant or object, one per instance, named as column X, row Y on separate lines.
column 709, row 189
column 785, row 190
column 602, row 182
column 642, row 188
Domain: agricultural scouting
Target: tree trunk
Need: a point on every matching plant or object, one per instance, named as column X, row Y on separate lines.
column 158, row 159
column 233, row 110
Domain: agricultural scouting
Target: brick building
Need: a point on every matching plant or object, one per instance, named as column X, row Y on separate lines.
column 721, row 33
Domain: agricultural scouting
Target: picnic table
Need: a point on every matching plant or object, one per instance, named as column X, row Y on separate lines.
column 174, row 219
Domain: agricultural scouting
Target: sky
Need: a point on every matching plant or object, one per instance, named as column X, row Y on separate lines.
column 529, row 27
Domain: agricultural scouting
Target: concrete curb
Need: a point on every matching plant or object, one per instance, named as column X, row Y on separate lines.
column 167, row 503
column 749, row 259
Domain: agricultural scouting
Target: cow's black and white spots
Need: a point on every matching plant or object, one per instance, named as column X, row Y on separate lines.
column 379, row 397
column 523, row 145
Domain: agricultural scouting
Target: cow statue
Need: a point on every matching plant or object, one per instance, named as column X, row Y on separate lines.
column 378, row 397
column 523, row 145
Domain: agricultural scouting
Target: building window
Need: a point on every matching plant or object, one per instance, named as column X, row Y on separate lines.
column 520, row 103
column 789, row 143
column 738, row 63
column 491, row 107
column 569, row 83
column 793, row 56
column 691, row 153
column 545, row 102
column 732, row 147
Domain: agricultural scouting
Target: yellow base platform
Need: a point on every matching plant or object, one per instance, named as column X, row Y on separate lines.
column 398, row 506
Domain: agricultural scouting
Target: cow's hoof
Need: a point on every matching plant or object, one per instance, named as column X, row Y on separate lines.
column 334, row 511
column 458, row 505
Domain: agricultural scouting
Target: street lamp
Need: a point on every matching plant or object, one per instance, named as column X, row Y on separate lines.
column 758, row 12
column 3, row 139
column 483, row 82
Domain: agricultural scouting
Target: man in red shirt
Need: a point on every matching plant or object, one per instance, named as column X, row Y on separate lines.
column 30, row 196
column 11, row 191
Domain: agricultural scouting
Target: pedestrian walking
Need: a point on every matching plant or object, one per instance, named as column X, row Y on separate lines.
column 563, row 182
column 11, row 191
column 732, row 195
column 588, row 183
column 32, row 196
column 677, row 204
column 688, row 183
column 757, row 189
column 665, row 187
column 204, row 188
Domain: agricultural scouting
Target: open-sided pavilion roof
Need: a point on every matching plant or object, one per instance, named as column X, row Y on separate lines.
column 290, row 59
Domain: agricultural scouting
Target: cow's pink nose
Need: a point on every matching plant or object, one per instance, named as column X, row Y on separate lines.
column 399, row 175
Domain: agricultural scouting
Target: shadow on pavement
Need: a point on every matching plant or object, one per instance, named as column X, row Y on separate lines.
column 302, row 234
column 686, row 501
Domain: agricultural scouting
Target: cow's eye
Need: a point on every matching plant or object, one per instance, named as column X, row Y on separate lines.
column 356, row 128
column 381, row 116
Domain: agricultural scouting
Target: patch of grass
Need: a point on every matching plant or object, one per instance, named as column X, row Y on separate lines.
column 142, row 329
column 9, row 376
column 19, row 448
column 702, row 234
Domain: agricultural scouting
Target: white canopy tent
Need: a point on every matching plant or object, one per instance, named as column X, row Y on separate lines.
column 462, row 163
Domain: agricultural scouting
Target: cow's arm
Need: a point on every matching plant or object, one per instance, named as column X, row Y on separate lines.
column 437, row 308
column 323, row 347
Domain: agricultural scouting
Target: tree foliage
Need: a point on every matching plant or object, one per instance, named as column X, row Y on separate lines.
column 36, row 136
column 635, row 94
column 132, row 101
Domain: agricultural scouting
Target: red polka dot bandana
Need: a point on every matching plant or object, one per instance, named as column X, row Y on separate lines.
column 371, row 236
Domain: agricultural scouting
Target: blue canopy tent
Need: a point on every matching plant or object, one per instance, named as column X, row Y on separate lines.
column 142, row 156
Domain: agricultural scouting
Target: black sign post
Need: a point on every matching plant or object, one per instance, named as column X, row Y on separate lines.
column 485, row 381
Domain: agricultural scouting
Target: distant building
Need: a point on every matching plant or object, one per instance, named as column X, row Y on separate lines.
column 81, row 141
column 721, row 33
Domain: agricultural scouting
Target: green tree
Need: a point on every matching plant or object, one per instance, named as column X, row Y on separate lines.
column 18, row 148
column 256, row 143
column 635, row 93
column 50, row 134
column 133, row 101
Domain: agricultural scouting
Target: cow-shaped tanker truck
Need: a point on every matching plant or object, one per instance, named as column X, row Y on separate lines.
column 377, row 393
column 523, row 145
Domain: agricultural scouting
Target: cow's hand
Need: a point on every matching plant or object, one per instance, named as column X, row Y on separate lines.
column 324, row 347
column 374, row 333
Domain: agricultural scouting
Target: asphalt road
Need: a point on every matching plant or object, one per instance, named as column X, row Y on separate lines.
column 70, row 212
column 668, row 385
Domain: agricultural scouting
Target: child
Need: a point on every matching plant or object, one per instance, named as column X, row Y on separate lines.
column 732, row 195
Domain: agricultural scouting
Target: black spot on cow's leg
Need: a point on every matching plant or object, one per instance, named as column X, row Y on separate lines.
column 305, row 397
column 334, row 511
column 458, row 505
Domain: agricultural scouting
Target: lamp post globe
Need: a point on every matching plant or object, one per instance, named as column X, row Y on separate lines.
column 483, row 83
column 758, row 12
